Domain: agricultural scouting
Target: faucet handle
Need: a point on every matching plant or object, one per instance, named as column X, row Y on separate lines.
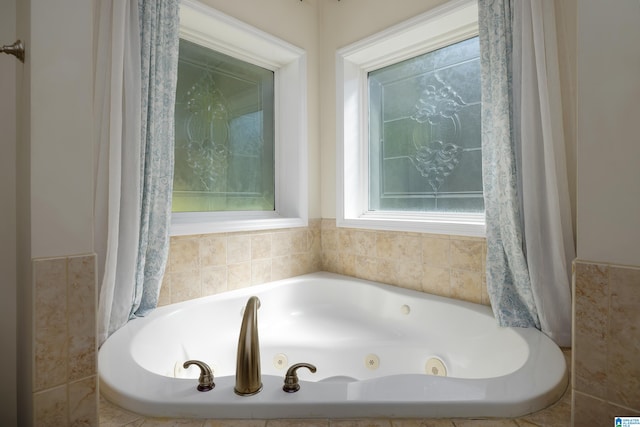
column 205, row 381
column 291, row 379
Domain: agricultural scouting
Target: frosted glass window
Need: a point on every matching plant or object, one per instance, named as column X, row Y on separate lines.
column 224, row 133
column 424, row 133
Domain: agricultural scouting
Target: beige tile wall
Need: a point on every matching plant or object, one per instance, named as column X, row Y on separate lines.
column 606, row 343
column 450, row 266
column 444, row 265
column 65, row 349
column 204, row 265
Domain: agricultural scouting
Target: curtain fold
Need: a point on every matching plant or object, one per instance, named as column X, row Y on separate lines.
column 545, row 190
column 134, row 95
column 507, row 273
column 529, row 233
column 117, row 193
column 160, row 26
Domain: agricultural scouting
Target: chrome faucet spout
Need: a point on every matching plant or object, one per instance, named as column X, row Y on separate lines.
column 248, row 377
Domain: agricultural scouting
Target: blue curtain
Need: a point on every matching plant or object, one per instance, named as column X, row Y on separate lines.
column 159, row 39
column 508, row 281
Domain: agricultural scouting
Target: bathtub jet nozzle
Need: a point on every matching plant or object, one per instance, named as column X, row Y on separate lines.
column 248, row 377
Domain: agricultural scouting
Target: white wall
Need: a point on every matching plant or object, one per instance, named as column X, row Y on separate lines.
column 295, row 22
column 8, row 290
column 61, row 53
column 566, row 32
column 608, row 85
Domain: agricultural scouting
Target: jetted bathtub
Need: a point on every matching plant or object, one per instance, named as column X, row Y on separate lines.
column 379, row 350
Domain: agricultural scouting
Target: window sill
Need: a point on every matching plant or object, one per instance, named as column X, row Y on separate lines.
column 458, row 225
column 190, row 223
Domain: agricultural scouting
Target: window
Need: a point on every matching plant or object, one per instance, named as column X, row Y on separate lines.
column 224, row 127
column 241, row 157
column 409, row 138
column 424, row 132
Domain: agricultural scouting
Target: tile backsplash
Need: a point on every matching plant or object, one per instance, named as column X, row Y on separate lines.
column 606, row 343
column 450, row 266
column 208, row 264
column 445, row 265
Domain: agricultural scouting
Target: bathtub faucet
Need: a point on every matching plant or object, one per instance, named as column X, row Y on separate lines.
column 248, row 378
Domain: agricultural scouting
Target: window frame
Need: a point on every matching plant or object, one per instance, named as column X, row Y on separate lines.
column 452, row 22
column 213, row 29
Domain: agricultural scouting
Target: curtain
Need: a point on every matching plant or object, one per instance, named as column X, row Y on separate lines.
column 529, row 231
column 117, row 109
column 134, row 95
column 548, row 229
column 160, row 26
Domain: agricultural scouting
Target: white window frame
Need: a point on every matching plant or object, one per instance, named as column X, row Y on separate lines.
column 452, row 22
column 211, row 28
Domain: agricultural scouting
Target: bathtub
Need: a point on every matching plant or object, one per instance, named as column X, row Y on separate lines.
column 380, row 351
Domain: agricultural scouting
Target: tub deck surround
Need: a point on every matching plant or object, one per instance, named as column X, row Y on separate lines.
column 376, row 348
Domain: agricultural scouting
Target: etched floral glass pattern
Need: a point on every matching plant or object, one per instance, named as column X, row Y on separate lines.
column 424, row 133
column 224, row 133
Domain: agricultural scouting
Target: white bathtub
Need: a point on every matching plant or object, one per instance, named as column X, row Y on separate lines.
column 375, row 348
